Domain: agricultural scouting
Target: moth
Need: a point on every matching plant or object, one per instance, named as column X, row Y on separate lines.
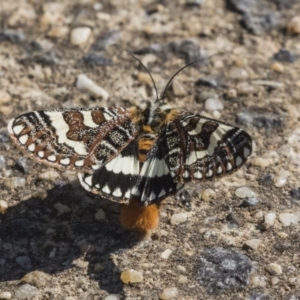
column 136, row 156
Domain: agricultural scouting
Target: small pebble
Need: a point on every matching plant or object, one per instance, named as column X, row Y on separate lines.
column 58, row 32
column 274, row 280
column 80, row 35
column 277, row 67
column 85, row 83
column 61, row 208
column 2, row 161
column 166, row 254
column 253, row 244
column 26, row 291
column 179, row 218
column 100, row 215
column 113, row 297
column 294, row 26
column 258, row 281
column 5, row 295
column 244, row 88
column 15, row 182
column 269, row 220
column 3, row 206
column 208, row 194
column 274, row 269
column 36, row 278
column 24, row 261
column 23, row 164
column 238, row 73
column 4, row 98
column 247, row 202
column 131, row 276
column 49, row 175
column 168, row 293
column 281, row 179
column 244, row 192
column 181, row 268
column 213, row 104
column 182, row 279
column 287, row 219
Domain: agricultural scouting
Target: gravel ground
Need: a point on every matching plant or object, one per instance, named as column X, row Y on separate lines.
column 235, row 238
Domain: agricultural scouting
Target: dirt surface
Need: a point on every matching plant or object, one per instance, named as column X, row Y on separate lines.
column 69, row 244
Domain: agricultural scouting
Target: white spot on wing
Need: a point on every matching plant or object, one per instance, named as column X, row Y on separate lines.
column 107, row 116
column 127, row 194
column 194, row 156
column 85, row 186
column 219, row 170
column 128, row 165
column 65, row 161
column 198, row 175
column 246, row 152
column 51, row 157
column 238, row 161
column 88, row 120
column 23, row 139
column 209, row 173
column 229, row 166
column 106, row 189
column 41, row 154
column 58, row 122
column 186, row 174
column 17, row 129
column 117, row 192
column 79, row 163
column 31, row 147
column 88, row 180
column 155, row 167
column 162, row 193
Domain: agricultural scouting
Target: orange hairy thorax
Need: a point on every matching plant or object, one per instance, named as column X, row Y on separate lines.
column 136, row 217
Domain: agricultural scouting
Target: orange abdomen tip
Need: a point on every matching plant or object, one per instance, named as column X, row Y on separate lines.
column 136, row 217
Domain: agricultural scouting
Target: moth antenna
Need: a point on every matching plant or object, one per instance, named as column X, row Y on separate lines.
column 134, row 57
column 163, row 95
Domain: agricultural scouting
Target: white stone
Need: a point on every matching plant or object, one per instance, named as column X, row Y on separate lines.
column 26, row 291
column 213, row 104
column 244, row 192
column 253, row 244
column 269, row 219
column 15, row 182
column 113, row 297
column 258, row 281
column 182, row 279
column 208, row 194
column 287, row 219
column 49, row 175
column 5, row 295
column 3, row 207
column 168, row 293
column 281, row 179
column 85, row 83
column 179, row 218
column 80, row 35
column 274, row 269
column 166, row 254
column 131, row 276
